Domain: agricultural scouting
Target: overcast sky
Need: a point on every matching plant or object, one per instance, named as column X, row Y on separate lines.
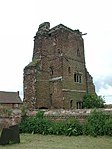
column 19, row 21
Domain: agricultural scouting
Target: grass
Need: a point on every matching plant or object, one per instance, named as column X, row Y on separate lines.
column 35, row 141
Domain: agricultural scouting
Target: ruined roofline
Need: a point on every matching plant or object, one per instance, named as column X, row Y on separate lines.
column 61, row 26
column 46, row 27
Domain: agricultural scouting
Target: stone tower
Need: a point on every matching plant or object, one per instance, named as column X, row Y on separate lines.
column 57, row 76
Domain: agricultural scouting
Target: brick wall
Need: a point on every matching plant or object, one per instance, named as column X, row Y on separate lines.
column 49, row 79
column 14, row 118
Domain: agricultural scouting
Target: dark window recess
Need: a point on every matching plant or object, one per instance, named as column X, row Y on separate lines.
column 79, row 105
column 69, row 70
column 51, row 99
column 71, row 103
column 77, row 77
column 78, row 53
column 51, row 70
column 49, row 35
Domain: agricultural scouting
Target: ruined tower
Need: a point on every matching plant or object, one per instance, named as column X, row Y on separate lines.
column 57, row 76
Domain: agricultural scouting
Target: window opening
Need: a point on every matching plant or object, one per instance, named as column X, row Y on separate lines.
column 69, row 70
column 79, row 105
column 71, row 103
column 78, row 77
column 78, row 52
column 51, row 70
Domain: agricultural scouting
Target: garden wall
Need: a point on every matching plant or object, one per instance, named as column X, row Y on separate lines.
column 12, row 119
column 54, row 114
column 60, row 114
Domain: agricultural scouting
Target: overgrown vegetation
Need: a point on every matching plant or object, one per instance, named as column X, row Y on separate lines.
column 5, row 111
column 97, row 123
column 93, row 101
column 39, row 124
column 33, row 63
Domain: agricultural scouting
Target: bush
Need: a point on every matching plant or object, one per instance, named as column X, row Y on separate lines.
column 38, row 124
column 108, row 127
column 57, row 128
column 93, row 101
column 68, row 128
column 5, row 111
column 73, row 128
column 95, row 124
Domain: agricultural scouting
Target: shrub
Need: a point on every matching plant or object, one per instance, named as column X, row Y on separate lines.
column 57, row 128
column 95, row 123
column 108, row 127
column 24, row 110
column 93, row 101
column 40, row 114
column 73, row 128
column 5, row 111
column 38, row 124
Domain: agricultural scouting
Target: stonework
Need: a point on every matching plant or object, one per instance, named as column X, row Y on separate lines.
column 57, row 76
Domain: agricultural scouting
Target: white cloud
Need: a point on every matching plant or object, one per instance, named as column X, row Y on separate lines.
column 107, row 93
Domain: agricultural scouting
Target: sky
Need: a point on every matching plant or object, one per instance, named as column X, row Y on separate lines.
column 19, row 21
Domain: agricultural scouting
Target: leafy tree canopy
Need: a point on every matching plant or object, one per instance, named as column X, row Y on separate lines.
column 93, row 101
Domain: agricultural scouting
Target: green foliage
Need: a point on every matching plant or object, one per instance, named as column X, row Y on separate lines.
column 40, row 114
column 108, row 127
column 5, row 111
column 73, row 128
column 24, row 110
column 96, row 124
column 35, row 124
column 68, row 128
column 39, row 124
column 93, row 101
column 57, row 128
column 33, row 63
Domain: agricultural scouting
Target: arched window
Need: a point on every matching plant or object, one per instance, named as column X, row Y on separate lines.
column 51, row 70
column 79, row 105
column 71, row 103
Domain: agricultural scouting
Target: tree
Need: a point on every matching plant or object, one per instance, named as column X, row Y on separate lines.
column 93, row 101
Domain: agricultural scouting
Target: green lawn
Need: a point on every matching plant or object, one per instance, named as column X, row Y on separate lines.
column 30, row 141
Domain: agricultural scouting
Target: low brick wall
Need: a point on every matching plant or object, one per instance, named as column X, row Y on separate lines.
column 14, row 118
column 61, row 115
column 54, row 114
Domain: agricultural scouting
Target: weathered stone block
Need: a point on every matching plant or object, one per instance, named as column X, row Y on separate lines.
column 10, row 135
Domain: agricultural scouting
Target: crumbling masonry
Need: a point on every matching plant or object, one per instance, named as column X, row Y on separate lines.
column 57, row 76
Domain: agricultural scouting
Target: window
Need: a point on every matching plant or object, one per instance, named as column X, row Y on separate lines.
column 69, row 70
column 79, row 105
column 51, row 70
column 78, row 77
column 71, row 103
column 78, row 53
